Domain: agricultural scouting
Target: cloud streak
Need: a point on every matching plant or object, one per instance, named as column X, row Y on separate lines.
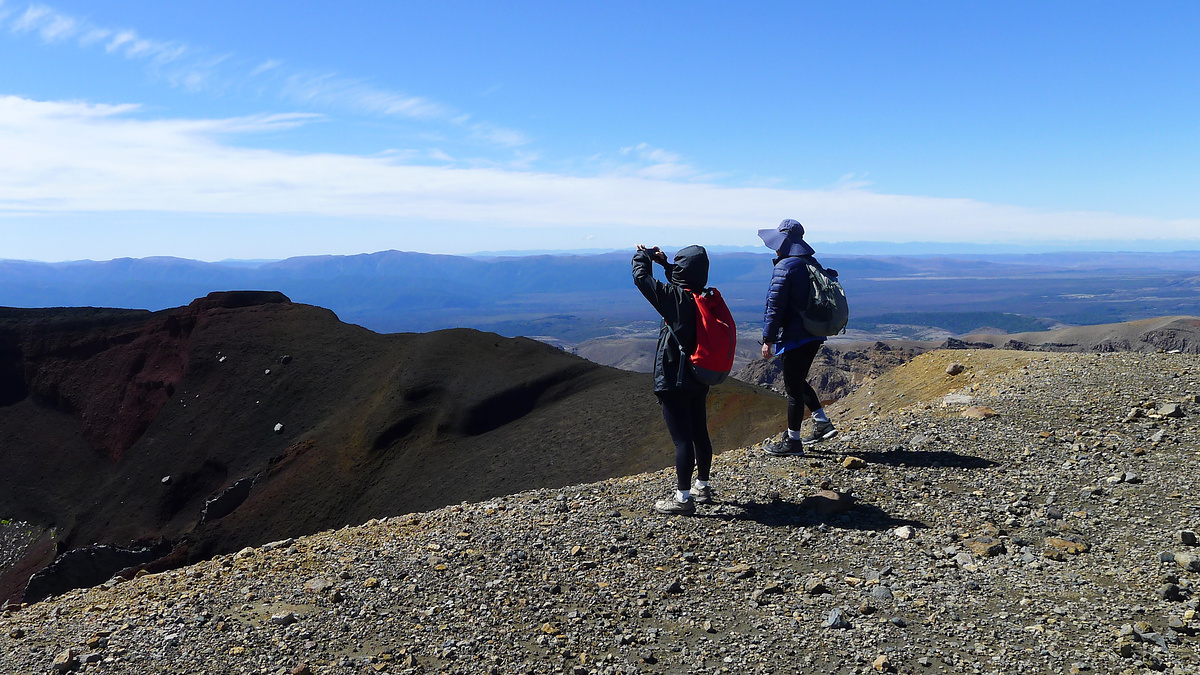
column 197, row 69
column 55, row 27
column 78, row 158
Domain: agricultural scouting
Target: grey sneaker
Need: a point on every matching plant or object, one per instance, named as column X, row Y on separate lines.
column 702, row 495
column 821, row 431
column 784, row 446
column 673, row 507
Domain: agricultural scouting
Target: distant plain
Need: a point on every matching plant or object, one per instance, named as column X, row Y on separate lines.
column 588, row 302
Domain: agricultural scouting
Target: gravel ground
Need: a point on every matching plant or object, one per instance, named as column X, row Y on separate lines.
column 1050, row 538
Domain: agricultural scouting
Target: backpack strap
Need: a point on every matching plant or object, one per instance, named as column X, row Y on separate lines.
column 683, row 355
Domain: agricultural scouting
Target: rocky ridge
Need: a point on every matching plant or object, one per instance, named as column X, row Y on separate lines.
column 839, row 368
column 1031, row 513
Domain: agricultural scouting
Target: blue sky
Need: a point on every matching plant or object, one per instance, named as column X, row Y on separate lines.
column 263, row 130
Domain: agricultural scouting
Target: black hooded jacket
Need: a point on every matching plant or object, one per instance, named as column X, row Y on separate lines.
column 677, row 307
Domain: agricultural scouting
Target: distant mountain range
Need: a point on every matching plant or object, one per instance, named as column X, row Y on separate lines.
column 577, row 297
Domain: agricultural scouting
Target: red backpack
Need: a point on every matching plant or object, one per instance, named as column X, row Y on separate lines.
column 716, row 339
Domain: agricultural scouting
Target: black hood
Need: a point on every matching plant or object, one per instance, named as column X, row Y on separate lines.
column 691, row 268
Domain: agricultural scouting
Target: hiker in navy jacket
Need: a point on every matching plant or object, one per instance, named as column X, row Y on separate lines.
column 784, row 333
column 682, row 398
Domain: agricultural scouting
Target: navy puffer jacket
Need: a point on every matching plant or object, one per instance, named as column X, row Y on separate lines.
column 677, row 307
column 787, row 299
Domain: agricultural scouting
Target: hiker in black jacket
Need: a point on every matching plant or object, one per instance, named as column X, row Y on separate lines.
column 784, row 333
column 681, row 396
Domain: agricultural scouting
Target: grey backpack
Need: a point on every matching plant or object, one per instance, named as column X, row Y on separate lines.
column 827, row 311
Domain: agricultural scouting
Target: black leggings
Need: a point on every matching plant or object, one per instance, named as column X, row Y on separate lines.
column 687, row 422
column 796, row 363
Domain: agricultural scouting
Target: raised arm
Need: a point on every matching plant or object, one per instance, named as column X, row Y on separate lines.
column 643, row 277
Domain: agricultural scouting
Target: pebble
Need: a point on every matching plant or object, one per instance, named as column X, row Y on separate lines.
column 979, row 412
column 836, row 619
column 318, row 585
column 284, row 618
column 1169, row 592
column 984, row 546
column 815, row 586
column 1188, row 561
column 1170, row 410
column 66, row 660
column 1073, row 545
column 881, row 593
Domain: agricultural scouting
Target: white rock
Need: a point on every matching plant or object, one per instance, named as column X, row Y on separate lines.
column 956, row 399
column 904, row 532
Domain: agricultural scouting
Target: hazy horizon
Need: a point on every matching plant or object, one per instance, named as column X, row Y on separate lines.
column 858, row 248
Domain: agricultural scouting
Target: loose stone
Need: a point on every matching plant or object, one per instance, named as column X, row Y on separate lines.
column 836, row 619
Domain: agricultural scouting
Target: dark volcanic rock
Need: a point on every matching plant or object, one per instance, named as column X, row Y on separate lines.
column 236, row 299
column 229, row 499
column 85, row 567
column 955, row 343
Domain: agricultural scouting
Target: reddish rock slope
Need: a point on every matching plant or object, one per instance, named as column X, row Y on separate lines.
column 118, row 426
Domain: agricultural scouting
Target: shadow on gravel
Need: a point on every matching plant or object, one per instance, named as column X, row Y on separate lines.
column 917, row 458
column 788, row 514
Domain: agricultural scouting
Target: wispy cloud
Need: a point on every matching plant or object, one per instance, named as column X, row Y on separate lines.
column 197, row 69
column 657, row 163
column 495, row 135
column 269, row 64
column 55, row 27
column 78, row 158
column 331, row 89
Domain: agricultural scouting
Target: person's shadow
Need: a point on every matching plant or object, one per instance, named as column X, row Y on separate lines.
column 811, row 512
column 923, row 458
column 843, row 510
